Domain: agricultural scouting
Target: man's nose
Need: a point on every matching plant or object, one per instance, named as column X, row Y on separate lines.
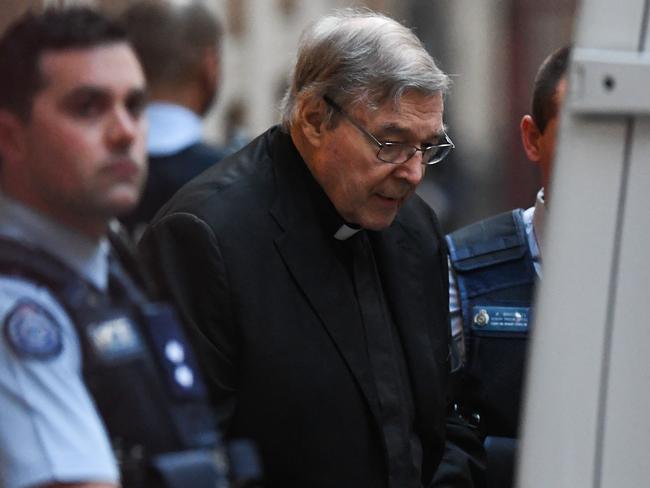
column 123, row 128
column 411, row 170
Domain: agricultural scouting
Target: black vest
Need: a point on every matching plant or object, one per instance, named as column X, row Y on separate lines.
column 496, row 278
column 140, row 371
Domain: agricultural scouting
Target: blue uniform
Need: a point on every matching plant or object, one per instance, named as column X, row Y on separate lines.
column 494, row 266
column 50, row 429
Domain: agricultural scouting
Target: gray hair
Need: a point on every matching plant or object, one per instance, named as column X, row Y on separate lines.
column 359, row 56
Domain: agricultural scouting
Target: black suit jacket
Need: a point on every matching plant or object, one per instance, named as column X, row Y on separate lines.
column 166, row 175
column 242, row 251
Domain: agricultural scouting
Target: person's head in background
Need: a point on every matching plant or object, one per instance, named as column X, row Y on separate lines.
column 72, row 135
column 179, row 48
column 539, row 129
column 364, row 108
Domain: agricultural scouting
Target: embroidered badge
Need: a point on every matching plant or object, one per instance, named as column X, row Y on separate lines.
column 500, row 319
column 32, row 332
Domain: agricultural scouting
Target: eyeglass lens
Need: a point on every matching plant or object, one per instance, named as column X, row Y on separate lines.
column 399, row 153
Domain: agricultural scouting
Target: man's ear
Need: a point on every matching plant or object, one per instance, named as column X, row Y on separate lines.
column 210, row 66
column 530, row 137
column 208, row 77
column 311, row 119
column 12, row 138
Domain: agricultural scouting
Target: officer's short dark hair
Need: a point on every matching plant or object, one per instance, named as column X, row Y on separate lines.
column 31, row 35
column 170, row 39
column 552, row 70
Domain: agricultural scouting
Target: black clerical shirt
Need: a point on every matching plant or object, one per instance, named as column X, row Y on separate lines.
column 383, row 346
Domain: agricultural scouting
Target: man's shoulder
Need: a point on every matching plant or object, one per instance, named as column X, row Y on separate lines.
column 504, row 223
column 39, row 366
column 32, row 319
column 239, row 184
column 15, row 289
column 199, row 154
column 204, row 150
column 501, row 236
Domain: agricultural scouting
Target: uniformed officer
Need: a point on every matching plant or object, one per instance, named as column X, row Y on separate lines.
column 97, row 383
column 494, row 265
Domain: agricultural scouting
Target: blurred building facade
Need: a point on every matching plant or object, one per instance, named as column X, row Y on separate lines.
column 492, row 48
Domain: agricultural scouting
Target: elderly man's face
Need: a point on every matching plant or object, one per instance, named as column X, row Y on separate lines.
column 365, row 190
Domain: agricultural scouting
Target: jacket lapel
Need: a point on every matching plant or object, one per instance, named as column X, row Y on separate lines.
column 404, row 273
column 310, row 258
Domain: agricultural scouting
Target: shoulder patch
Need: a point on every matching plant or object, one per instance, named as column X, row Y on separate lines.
column 32, row 332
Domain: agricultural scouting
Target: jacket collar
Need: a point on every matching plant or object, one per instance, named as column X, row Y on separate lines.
column 306, row 244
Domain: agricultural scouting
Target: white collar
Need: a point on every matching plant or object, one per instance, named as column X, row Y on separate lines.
column 345, row 232
column 539, row 217
column 87, row 257
column 172, row 128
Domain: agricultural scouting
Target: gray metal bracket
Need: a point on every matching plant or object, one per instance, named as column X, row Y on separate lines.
column 607, row 82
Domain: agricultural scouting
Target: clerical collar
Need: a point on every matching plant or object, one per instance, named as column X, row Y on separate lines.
column 346, row 231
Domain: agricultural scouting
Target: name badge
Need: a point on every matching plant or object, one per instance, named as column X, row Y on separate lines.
column 500, row 319
column 114, row 339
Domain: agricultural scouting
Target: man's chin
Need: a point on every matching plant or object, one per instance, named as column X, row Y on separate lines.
column 379, row 222
column 122, row 203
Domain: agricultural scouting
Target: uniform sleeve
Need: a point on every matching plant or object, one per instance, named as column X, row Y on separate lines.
column 183, row 255
column 49, row 427
column 456, row 317
column 463, row 461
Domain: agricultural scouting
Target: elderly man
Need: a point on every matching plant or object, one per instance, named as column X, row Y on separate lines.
column 306, row 265
column 91, row 372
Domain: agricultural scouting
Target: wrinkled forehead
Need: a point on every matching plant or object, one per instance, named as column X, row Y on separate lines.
column 397, row 103
column 412, row 107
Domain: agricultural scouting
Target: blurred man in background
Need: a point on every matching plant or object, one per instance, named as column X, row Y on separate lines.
column 91, row 372
column 179, row 48
column 495, row 264
column 304, row 263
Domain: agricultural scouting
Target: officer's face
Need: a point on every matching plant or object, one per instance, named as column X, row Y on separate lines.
column 365, row 190
column 84, row 144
